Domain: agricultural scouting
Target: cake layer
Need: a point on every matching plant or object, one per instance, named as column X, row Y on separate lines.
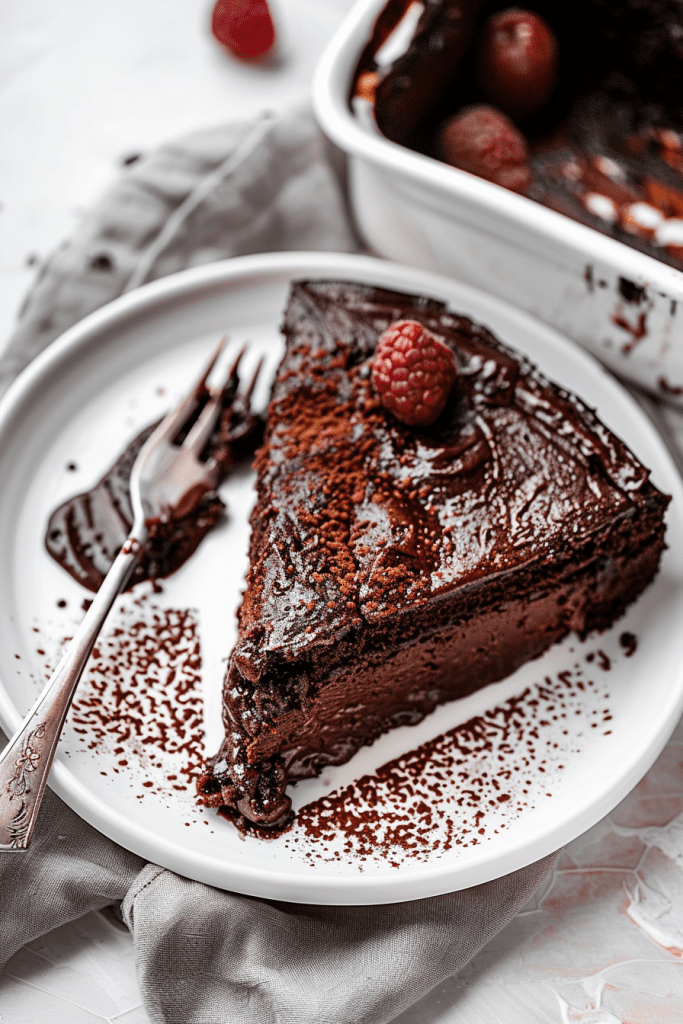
column 392, row 567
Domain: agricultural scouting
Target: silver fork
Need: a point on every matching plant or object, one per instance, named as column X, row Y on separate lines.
column 167, row 481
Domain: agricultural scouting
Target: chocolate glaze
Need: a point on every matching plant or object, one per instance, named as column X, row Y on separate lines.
column 394, row 568
column 86, row 533
column 618, row 98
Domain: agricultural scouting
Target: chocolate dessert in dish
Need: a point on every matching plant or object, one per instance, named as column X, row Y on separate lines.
column 577, row 106
column 405, row 553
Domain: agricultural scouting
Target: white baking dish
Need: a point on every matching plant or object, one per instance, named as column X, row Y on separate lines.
column 624, row 306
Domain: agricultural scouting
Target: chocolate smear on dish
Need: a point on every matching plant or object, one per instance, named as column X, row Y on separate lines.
column 85, row 534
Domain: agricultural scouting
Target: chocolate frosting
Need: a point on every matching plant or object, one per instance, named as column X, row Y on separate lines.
column 393, row 567
column 511, row 465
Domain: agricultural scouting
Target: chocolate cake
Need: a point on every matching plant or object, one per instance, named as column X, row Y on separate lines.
column 396, row 567
column 601, row 136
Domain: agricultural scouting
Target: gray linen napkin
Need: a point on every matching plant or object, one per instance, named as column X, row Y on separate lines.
column 256, row 186
column 204, row 955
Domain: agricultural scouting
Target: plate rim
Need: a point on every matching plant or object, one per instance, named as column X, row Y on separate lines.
column 426, row 880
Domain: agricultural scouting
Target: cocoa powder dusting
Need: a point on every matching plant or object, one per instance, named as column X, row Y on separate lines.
column 463, row 786
column 630, row 644
column 141, row 697
column 141, row 702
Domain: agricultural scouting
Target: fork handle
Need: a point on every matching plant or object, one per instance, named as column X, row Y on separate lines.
column 26, row 760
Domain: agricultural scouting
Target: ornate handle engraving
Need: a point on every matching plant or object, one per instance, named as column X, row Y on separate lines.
column 22, row 781
column 26, row 760
column 19, row 785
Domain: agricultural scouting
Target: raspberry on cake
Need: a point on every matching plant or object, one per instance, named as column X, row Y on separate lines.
column 483, row 141
column 413, row 373
column 395, row 567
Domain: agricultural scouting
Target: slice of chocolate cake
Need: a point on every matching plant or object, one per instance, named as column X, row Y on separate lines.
column 394, row 567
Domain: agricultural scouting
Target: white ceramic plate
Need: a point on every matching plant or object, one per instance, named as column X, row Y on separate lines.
column 577, row 746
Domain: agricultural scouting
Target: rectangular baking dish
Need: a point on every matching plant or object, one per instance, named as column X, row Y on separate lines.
column 623, row 306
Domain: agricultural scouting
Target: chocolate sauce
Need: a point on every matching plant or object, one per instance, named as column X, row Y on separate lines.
column 630, row 643
column 85, row 533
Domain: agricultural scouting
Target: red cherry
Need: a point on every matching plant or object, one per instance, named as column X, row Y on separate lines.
column 245, row 27
column 485, row 142
column 517, row 61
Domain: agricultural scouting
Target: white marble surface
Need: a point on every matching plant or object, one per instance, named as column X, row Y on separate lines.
column 83, row 84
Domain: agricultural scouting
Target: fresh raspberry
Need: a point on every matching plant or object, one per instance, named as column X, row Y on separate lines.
column 413, row 372
column 483, row 141
column 244, row 26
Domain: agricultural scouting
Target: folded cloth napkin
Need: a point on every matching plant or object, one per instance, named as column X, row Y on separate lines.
column 202, row 954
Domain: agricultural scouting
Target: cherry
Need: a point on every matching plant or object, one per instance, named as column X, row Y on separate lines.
column 245, row 27
column 483, row 141
column 517, row 61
